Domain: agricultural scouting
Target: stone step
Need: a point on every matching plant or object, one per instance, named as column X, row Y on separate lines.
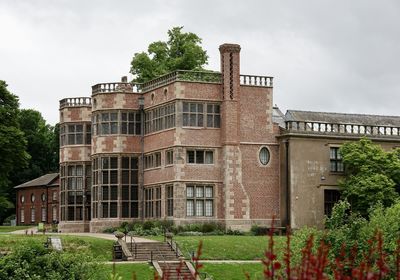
column 170, row 270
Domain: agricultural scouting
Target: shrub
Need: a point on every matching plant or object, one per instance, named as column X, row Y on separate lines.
column 147, row 225
column 34, row 262
column 110, row 229
column 234, row 232
column 385, row 220
column 7, row 221
column 259, row 230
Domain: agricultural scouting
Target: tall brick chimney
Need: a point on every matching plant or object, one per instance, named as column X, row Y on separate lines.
column 230, row 69
column 237, row 203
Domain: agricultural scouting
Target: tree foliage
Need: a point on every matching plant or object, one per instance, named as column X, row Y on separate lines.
column 28, row 147
column 182, row 51
column 372, row 175
column 41, row 146
column 12, row 144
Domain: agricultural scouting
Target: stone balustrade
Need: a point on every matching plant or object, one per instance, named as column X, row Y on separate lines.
column 179, row 75
column 182, row 75
column 258, row 81
column 76, row 102
column 112, row 87
column 341, row 128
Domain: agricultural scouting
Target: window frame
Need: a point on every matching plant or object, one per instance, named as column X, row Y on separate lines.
column 195, row 200
column 336, row 165
column 328, row 204
column 197, row 159
column 268, row 153
column 169, row 157
column 197, row 114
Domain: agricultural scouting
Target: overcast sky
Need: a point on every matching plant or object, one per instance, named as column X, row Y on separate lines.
column 336, row 56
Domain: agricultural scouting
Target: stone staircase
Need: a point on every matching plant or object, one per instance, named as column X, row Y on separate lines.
column 174, row 270
column 152, row 251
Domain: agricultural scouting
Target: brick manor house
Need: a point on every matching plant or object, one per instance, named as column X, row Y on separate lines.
column 195, row 147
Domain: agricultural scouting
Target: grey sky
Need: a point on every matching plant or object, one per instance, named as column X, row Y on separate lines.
column 325, row 55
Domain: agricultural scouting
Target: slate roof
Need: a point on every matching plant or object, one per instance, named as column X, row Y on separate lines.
column 377, row 120
column 45, row 180
column 278, row 117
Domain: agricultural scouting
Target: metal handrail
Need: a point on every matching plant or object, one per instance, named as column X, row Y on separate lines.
column 135, row 244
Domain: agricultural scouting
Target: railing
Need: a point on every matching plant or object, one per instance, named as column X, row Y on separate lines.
column 259, row 81
column 341, row 128
column 174, row 247
column 179, row 75
column 75, row 102
column 182, row 75
column 134, row 248
column 113, row 87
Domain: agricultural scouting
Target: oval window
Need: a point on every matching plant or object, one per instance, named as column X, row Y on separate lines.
column 22, row 198
column 43, row 197
column 32, row 197
column 264, row 156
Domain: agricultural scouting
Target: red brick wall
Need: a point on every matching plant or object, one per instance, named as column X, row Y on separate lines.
column 37, row 205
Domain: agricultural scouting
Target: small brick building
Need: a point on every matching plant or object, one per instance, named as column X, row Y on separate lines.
column 37, row 200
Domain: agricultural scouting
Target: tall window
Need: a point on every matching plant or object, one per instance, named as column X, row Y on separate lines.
column 195, row 113
column 44, row 214
column 22, row 215
column 336, row 160
column 115, row 187
column 169, row 157
column 199, row 201
column 200, row 156
column 152, row 197
column 213, row 115
column 33, row 216
column 75, row 181
column 129, row 188
column 169, row 203
column 109, row 187
column 54, row 213
column 330, row 198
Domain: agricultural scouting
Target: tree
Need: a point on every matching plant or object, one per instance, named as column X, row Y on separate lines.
column 372, row 175
column 182, row 51
column 12, row 144
column 41, row 146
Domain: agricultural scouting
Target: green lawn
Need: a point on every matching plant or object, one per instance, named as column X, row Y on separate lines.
column 12, row 228
column 233, row 271
column 229, row 247
column 126, row 271
column 100, row 249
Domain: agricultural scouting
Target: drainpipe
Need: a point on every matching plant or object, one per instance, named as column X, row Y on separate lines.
column 287, row 184
column 47, row 203
column 141, row 161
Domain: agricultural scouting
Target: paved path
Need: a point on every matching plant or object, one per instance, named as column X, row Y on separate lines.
column 108, row 236
column 200, row 261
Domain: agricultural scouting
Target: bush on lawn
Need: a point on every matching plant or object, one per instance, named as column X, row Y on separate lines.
column 159, row 227
column 259, row 230
column 33, row 261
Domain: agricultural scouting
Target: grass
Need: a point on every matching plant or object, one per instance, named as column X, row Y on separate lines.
column 100, row 249
column 142, row 271
column 228, row 247
column 6, row 229
column 233, row 271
